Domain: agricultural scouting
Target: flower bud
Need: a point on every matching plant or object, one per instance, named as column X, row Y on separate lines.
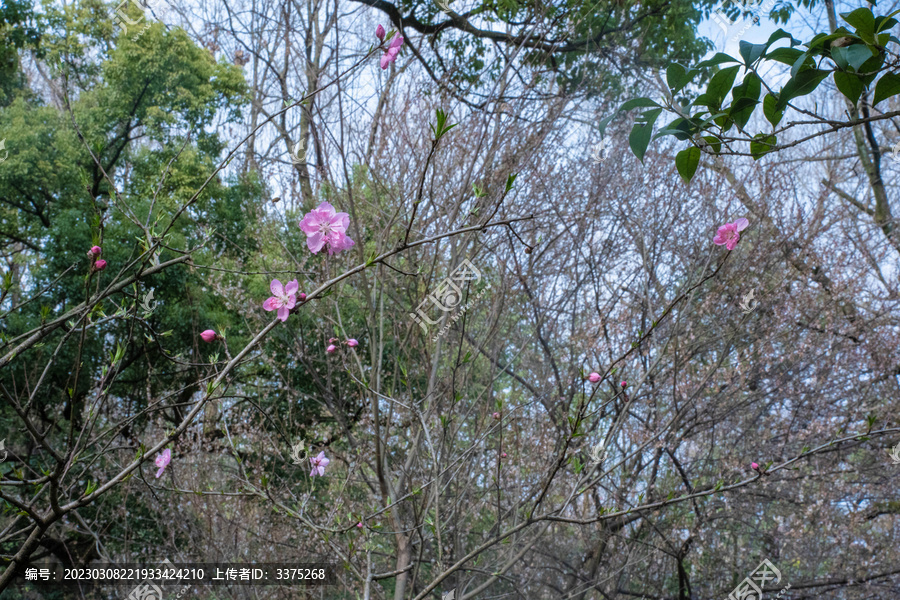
column 96, row 250
column 352, row 343
column 594, row 377
column 99, row 265
column 496, row 415
column 331, row 348
column 301, row 296
column 209, row 336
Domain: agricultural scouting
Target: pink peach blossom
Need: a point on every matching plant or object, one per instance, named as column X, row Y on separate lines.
column 99, row 265
column 331, row 348
column 325, row 227
column 754, row 466
column 342, row 242
column 393, row 50
column 283, row 298
column 352, row 343
column 379, row 33
column 162, row 461
column 209, row 336
column 594, row 377
column 96, row 250
column 318, row 465
column 360, row 525
column 729, row 233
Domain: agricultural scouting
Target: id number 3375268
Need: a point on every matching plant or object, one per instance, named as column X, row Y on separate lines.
column 299, row 574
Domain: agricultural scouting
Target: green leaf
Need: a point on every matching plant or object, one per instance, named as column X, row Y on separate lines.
column 372, row 258
column 781, row 34
column 638, row 103
column 805, row 61
column 882, row 23
column 752, row 52
column 787, row 56
column 682, row 129
column 746, row 97
column 849, row 85
column 852, row 57
column 719, row 86
column 800, row 85
column 887, row 86
column 869, row 70
column 511, row 180
column 821, row 42
column 863, row 21
column 716, row 145
column 677, row 77
column 762, row 144
column 718, row 59
column 741, row 110
column 604, row 123
column 640, row 135
column 686, row 162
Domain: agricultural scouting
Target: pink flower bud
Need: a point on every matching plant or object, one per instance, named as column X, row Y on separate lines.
column 301, row 296
column 96, row 250
column 209, row 336
column 332, row 340
column 594, row 377
column 624, row 384
column 331, row 348
column 352, row 343
column 379, row 32
column 503, row 455
column 754, row 466
column 360, row 525
column 496, row 415
column 100, row 265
